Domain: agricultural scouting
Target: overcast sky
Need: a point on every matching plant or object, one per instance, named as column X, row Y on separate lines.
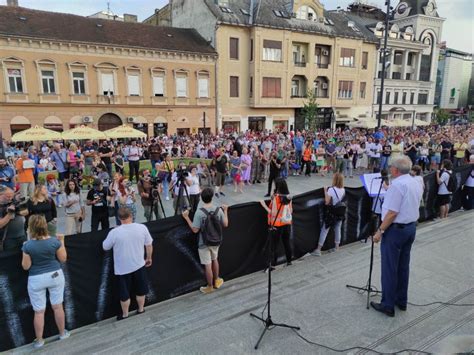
column 457, row 32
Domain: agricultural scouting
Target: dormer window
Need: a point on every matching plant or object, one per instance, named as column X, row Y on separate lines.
column 306, row 13
column 226, row 10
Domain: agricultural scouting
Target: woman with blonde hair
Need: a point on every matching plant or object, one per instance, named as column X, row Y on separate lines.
column 42, row 204
column 42, row 256
column 333, row 196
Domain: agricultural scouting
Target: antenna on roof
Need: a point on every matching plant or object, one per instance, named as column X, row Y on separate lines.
column 108, row 7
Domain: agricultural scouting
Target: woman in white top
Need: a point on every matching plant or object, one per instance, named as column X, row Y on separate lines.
column 468, row 189
column 74, row 208
column 444, row 196
column 113, row 188
column 194, row 189
column 332, row 196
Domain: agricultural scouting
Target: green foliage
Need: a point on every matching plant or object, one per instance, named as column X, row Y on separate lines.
column 442, row 117
column 310, row 111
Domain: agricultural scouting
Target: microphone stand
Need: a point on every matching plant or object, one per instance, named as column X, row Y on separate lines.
column 268, row 322
column 368, row 287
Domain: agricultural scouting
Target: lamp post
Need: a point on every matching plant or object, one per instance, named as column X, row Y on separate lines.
column 204, row 124
column 384, row 62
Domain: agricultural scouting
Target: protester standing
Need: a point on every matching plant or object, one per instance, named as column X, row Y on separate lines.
column 74, row 208
column 165, row 172
column 444, row 195
column 25, row 175
column 221, row 171
column 275, row 166
column 42, row 204
column 12, row 222
column 97, row 199
column 126, row 196
column 42, row 256
column 59, row 159
column 150, row 203
column 208, row 254
column 332, row 196
column 7, row 174
column 133, row 155
column 400, row 212
column 279, row 220
column 129, row 242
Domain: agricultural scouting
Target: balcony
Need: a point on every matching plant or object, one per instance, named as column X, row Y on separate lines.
column 300, row 64
column 300, row 51
column 299, row 86
column 322, row 56
column 322, row 65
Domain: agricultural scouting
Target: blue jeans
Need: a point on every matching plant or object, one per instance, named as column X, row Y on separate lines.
column 384, row 163
column 166, row 184
column 395, row 250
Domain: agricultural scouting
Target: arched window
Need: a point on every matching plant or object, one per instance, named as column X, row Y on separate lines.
column 306, row 13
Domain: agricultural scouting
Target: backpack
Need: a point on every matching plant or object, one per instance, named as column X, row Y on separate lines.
column 451, row 185
column 211, row 228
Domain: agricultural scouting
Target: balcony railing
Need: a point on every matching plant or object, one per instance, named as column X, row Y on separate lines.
column 298, row 96
column 321, row 96
column 300, row 64
column 322, row 66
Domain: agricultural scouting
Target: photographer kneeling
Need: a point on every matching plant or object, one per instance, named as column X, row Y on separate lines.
column 149, row 189
column 42, row 256
column 12, row 221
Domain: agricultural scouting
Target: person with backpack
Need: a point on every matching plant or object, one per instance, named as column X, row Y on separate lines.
column 446, row 187
column 334, row 214
column 280, row 218
column 208, row 222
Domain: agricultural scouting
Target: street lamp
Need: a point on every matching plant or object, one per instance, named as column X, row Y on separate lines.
column 204, row 124
column 384, row 62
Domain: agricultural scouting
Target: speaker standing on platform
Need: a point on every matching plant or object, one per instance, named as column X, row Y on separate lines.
column 280, row 213
column 400, row 212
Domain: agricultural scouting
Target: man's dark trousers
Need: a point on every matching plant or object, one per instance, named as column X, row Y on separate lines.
column 101, row 218
column 395, row 250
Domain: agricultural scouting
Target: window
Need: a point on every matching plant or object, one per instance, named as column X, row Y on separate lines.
column 412, row 98
column 398, row 58
column 379, row 75
column 251, row 87
column 226, row 9
column 181, row 86
column 14, row 80
column 272, row 50
column 395, row 99
column 271, row 87
column 234, row 48
column 133, row 82
column 387, row 98
column 47, row 78
column 362, row 89
column 422, row 99
column 404, row 98
column 78, row 83
column 347, row 58
column 251, row 50
column 345, row 90
column 365, row 60
column 203, row 85
column 159, row 86
column 410, row 59
column 408, row 76
column 234, row 86
column 306, row 13
column 396, row 75
column 379, row 97
column 107, row 80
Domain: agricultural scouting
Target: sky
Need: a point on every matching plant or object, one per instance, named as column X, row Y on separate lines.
column 458, row 29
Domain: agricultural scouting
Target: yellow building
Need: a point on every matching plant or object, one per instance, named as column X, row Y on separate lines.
column 60, row 70
column 271, row 53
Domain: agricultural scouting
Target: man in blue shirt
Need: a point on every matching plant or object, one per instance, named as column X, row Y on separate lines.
column 298, row 142
column 379, row 134
column 7, row 174
column 59, row 159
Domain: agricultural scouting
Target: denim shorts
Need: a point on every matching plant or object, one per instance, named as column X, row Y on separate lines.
column 38, row 284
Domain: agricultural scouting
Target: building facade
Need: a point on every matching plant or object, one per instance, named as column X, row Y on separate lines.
column 272, row 53
column 453, row 81
column 413, row 48
column 102, row 73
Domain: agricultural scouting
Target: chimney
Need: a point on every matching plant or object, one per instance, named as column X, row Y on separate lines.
column 13, row 3
column 130, row 18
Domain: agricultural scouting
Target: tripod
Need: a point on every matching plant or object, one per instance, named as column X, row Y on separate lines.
column 182, row 190
column 269, row 324
column 368, row 287
column 157, row 197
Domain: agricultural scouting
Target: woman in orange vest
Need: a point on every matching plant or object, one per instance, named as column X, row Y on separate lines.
column 307, row 152
column 279, row 217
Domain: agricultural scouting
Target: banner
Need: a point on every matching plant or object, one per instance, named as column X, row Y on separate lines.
column 91, row 292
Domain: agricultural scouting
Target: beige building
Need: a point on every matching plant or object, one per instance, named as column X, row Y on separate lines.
column 102, row 73
column 271, row 53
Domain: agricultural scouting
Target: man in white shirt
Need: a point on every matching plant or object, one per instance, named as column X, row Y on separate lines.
column 400, row 212
column 134, row 154
column 128, row 241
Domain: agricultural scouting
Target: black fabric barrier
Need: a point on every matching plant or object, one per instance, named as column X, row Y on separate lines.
column 90, row 293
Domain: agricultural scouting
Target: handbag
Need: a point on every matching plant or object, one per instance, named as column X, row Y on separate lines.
column 339, row 209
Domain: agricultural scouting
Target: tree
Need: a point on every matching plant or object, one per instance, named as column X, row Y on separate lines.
column 442, row 117
column 310, row 112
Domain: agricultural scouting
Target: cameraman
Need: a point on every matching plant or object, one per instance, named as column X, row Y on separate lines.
column 12, row 221
column 179, row 178
column 147, row 186
column 7, row 174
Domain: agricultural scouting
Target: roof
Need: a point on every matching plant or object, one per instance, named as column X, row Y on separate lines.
column 23, row 22
column 264, row 15
column 417, row 7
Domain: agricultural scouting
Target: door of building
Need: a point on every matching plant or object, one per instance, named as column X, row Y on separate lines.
column 257, row 123
column 109, row 121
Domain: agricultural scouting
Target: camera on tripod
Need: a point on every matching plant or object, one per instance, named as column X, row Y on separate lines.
column 155, row 184
column 182, row 173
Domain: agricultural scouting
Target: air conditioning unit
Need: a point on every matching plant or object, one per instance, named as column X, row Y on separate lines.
column 325, row 52
column 324, row 86
column 87, row 119
column 130, row 119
